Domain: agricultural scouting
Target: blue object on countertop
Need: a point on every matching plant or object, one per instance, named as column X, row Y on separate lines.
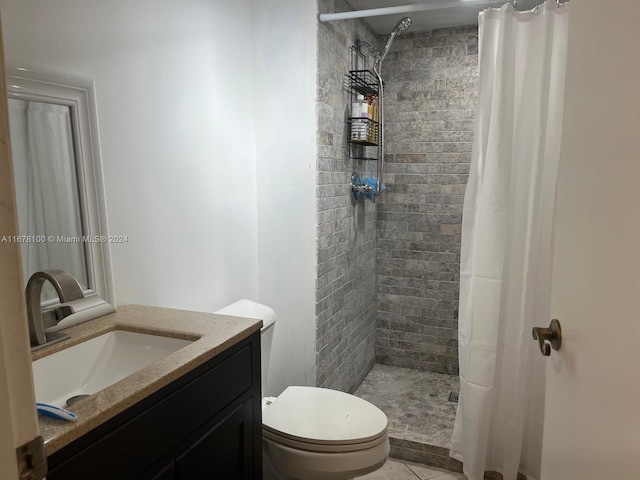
column 55, row 412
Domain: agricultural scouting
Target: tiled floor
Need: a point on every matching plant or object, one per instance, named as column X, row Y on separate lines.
column 420, row 414
column 399, row 470
column 416, row 402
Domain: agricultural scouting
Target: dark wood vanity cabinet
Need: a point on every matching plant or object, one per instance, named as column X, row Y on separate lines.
column 205, row 425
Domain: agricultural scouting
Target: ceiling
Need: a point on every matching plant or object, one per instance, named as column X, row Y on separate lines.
column 455, row 13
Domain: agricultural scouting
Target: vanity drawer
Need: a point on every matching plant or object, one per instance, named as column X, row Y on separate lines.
column 158, row 427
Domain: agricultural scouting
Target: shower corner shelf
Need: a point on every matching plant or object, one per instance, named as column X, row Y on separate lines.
column 368, row 133
column 363, row 82
column 363, row 131
column 363, row 127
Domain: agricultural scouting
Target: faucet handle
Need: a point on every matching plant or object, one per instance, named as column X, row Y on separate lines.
column 63, row 311
column 67, row 288
column 51, row 317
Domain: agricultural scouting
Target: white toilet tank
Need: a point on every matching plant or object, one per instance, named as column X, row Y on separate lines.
column 250, row 309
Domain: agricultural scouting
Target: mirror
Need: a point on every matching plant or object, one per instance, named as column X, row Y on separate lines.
column 58, row 180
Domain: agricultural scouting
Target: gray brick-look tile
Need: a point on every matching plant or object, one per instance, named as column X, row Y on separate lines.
column 346, row 233
column 387, row 273
column 430, row 107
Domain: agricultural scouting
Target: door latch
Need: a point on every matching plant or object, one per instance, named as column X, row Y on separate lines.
column 553, row 335
column 32, row 461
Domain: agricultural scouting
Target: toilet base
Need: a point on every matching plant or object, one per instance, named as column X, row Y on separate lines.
column 283, row 463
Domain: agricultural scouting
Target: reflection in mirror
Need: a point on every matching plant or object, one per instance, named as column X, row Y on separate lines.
column 58, row 178
column 46, row 188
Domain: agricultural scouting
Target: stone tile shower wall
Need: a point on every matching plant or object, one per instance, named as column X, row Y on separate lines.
column 430, row 98
column 346, row 233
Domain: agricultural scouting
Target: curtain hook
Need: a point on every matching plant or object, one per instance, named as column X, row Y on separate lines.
column 515, row 4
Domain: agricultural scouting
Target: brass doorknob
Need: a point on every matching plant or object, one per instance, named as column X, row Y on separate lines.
column 553, row 335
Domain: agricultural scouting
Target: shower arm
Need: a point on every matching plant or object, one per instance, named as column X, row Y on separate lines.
column 400, row 27
column 377, row 67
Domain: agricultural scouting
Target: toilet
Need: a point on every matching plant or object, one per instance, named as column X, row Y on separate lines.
column 311, row 433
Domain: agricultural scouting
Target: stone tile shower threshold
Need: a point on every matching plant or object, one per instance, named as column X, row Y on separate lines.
column 421, row 416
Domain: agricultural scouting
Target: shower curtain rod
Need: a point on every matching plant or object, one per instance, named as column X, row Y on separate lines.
column 418, row 7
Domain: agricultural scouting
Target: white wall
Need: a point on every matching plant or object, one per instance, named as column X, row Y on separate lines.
column 215, row 209
column 285, row 92
column 173, row 82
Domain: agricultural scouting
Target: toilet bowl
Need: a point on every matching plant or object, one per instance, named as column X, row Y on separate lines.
column 312, row 433
column 316, row 434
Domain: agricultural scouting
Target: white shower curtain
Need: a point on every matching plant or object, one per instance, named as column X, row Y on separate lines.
column 507, row 239
column 46, row 187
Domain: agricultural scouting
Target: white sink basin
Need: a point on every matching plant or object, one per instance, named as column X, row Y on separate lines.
column 88, row 367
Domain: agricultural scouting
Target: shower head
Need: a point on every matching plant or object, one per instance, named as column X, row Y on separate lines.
column 400, row 27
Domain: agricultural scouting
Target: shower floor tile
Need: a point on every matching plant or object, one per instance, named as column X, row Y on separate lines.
column 416, row 404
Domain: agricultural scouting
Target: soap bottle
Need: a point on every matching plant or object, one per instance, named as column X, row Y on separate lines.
column 374, row 118
column 358, row 124
column 366, row 113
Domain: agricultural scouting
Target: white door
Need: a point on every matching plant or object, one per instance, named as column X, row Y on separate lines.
column 18, row 422
column 592, row 410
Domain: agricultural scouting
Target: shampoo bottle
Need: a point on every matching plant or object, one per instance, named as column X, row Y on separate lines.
column 358, row 124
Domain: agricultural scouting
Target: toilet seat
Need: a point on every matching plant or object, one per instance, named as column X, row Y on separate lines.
column 323, row 448
column 322, row 420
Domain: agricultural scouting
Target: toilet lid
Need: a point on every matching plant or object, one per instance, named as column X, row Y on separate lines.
column 323, row 417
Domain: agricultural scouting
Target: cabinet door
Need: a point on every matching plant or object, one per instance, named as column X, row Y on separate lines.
column 167, row 473
column 224, row 453
column 128, row 445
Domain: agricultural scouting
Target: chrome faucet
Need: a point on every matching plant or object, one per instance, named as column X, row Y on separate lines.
column 67, row 288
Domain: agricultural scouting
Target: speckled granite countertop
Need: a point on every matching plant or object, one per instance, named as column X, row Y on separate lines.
column 211, row 334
